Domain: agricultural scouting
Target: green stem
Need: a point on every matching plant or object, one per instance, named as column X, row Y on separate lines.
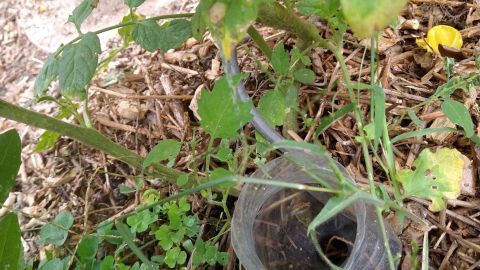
column 84, row 135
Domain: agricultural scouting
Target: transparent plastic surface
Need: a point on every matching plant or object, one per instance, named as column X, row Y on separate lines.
column 269, row 227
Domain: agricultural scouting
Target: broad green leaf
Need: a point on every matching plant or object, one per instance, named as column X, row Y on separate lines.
column 77, row 65
column 367, row 17
column 272, row 107
column 304, row 75
column 174, row 34
column 322, row 8
column 151, row 36
column 280, row 60
column 199, row 19
column 334, row 206
column 165, row 150
column 56, row 233
column 11, row 249
column 46, row 141
column 220, row 173
column 147, row 34
column 81, row 12
column 182, row 180
column 222, row 115
column 140, row 221
column 459, row 115
column 133, row 3
column 54, row 264
column 107, row 263
column 437, row 176
column 46, row 76
column 10, row 149
column 126, row 32
column 379, row 118
column 87, row 248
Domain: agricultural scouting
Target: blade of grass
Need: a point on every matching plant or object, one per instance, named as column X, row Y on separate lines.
column 326, row 121
column 423, row 132
column 123, row 230
column 425, row 251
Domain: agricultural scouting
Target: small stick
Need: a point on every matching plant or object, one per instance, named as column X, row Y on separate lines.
column 160, row 97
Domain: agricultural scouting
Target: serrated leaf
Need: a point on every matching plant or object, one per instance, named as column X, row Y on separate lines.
column 133, row 3
column 10, row 149
column 437, row 176
column 46, row 141
column 11, row 249
column 459, row 115
column 126, row 32
column 77, row 66
column 221, row 115
column 56, row 235
column 304, row 75
column 280, row 59
column 165, row 150
column 272, row 107
column 367, row 17
column 147, row 34
column 174, row 34
column 47, row 74
column 151, row 36
column 81, row 12
column 322, row 8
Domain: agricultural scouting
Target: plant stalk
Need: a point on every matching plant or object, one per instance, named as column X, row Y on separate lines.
column 86, row 136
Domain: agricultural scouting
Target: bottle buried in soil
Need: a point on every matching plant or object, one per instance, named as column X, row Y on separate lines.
column 269, row 228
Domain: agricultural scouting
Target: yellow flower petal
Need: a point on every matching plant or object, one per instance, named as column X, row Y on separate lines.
column 441, row 34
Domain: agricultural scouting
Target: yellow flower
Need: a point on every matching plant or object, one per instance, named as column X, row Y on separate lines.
column 441, row 34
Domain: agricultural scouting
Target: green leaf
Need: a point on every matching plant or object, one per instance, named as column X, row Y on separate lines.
column 367, row 17
column 147, row 34
column 10, row 149
column 81, row 12
column 87, row 248
column 56, row 233
column 126, row 32
column 414, row 117
column 163, row 235
column 151, row 36
column 379, row 118
column 55, row 264
column 304, row 75
column 174, row 256
column 174, row 34
column 46, row 76
column 322, row 8
column 422, row 132
column 107, row 263
column 133, row 3
column 140, row 221
column 437, row 176
column 124, row 189
column 165, row 150
column 328, row 120
column 334, row 206
column 77, row 65
column 280, row 60
column 46, row 141
column 459, row 115
column 221, row 114
column 182, row 180
column 272, row 107
column 11, row 249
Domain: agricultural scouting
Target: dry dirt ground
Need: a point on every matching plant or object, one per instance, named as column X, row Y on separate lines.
column 58, row 179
